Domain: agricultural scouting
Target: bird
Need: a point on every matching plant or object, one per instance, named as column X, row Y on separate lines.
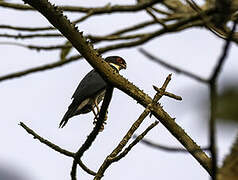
column 91, row 91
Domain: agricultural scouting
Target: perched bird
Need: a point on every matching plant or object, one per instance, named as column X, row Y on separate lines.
column 90, row 91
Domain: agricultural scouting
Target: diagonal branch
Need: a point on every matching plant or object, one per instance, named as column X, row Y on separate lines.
column 166, row 148
column 170, row 66
column 109, row 160
column 113, row 157
column 137, row 139
column 55, row 147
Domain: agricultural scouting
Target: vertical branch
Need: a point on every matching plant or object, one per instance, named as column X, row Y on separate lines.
column 92, row 136
column 212, row 128
column 213, row 102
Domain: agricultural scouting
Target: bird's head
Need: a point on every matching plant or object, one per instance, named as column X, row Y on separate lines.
column 116, row 62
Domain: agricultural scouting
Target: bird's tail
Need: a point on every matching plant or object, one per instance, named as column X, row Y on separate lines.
column 66, row 117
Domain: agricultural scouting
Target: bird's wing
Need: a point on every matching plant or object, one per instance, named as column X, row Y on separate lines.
column 91, row 84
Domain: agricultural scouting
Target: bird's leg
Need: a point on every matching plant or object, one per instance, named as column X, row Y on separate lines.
column 97, row 115
column 98, row 110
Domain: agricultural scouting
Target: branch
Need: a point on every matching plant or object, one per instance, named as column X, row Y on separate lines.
column 109, row 160
column 159, row 21
column 168, row 94
column 38, row 48
column 223, row 56
column 26, row 28
column 213, row 100
column 137, row 140
column 55, row 147
column 56, row 18
column 92, row 136
column 166, row 148
column 170, row 66
column 27, row 36
column 170, row 28
column 97, row 10
column 39, row 68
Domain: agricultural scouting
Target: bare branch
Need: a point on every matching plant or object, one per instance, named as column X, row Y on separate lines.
column 213, row 101
column 25, row 36
column 137, row 139
column 166, row 148
column 39, row 68
column 171, row 95
column 26, row 28
column 46, row 142
column 38, row 48
column 169, row 66
column 223, row 55
column 98, row 10
column 92, row 136
column 114, row 154
column 159, row 21
column 161, row 11
column 55, row 147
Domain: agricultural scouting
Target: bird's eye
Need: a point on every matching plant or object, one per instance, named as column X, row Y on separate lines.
column 119, row 60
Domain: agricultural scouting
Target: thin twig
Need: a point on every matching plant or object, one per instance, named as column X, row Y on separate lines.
column 55, row 147
column 40, row 68
column 98, row 10
column 27, row 36
column 137, row 139
column 168, row 94
column 170, row 66
column 46, row 142
column 30, row 29
column 223, row 55
column 218, row 32
column 161, row 11
column 86, row 16
column 38, row 48
column 166, row 148
column 159, row 21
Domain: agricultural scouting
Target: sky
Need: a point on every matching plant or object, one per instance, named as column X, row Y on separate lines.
column 41, row 99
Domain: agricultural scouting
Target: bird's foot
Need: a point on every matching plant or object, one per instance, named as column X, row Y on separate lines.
column 104, row 122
